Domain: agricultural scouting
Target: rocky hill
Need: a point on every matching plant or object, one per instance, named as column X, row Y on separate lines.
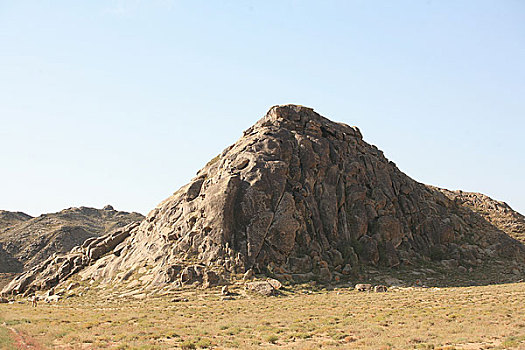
column 26, row 241
column 498, row 213
column 300, row 198
column 9, row 218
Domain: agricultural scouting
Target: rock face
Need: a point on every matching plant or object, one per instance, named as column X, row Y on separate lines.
column 298, row 197
column 27, row 241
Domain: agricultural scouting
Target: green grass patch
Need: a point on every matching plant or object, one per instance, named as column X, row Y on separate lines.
column 511, row 342
column 6, row 341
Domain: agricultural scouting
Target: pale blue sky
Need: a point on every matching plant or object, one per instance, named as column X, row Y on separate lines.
column 121, row 102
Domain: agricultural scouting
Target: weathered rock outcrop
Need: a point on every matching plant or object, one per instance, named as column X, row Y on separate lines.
column 25, row 241
column 59, row 267
column 298, row 197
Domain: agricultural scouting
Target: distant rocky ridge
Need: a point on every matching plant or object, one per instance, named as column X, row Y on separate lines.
column 7, row 220
column 26, row 241
column 498, row 213
column 298, row 198
column 10, row 218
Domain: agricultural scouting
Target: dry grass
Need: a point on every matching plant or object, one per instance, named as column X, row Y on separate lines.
column 420, row 318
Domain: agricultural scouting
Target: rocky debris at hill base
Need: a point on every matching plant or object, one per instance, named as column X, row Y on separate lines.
column 179, row 300
column 72, row 286
column 366, row 287
column 225, row 291
column 274, row 283
column 299, row 198
column 263, row 288
column 52, row 299
column 363, row 287
column 248, row 275
column 380, row 289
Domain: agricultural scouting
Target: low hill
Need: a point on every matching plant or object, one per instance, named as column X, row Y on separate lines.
column 10, row 218
column 26, row 241
column 498, row 213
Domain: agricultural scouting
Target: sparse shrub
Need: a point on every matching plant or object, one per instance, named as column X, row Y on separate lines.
column 204, row 343
column 272, row 339
column 513, row 341
column 17, row 322
column 303, row 335
column 214, row 160
column 234, row 344
column 188, row 345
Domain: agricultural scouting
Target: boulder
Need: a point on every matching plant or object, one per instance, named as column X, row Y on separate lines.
column 347, row 269
column 300, row 264
column 179, row 300
column 211, row 279
column 225, row 291
column 274, row 283
column 325, row 275
column 390, row 256
column 52, row 299
column 363, row 287
column 370, row 251
column 196, row 274
column 260, row 287
column 380, row 289
column 450, row 263
column 248, row 275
